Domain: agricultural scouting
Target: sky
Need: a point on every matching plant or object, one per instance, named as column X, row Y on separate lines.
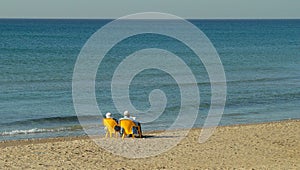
column 189, row 9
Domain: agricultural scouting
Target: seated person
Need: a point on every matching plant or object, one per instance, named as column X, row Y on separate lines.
column 137, row 124
column 109, row 115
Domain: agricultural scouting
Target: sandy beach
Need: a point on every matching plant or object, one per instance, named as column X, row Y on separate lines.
column 273, row 145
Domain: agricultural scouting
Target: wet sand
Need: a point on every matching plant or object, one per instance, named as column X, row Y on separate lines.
column 273, row 145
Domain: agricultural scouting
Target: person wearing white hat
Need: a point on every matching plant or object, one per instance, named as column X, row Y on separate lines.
column 109, row 115
column 127, row 116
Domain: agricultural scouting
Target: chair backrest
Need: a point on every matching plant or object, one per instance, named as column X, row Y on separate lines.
column 127, row 125
column 110, row 124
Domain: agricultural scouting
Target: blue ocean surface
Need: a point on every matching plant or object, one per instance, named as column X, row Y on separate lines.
column 261, row 60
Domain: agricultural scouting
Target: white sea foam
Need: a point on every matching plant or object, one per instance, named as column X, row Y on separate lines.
column 30, row 131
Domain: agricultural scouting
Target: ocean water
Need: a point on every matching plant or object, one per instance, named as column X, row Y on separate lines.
column 261, row 59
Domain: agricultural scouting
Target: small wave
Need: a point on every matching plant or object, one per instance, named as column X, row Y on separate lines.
column 30, row 131
column 36, row 130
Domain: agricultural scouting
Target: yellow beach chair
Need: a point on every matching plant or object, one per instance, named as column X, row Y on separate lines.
column 110, row 124
column 127, row 126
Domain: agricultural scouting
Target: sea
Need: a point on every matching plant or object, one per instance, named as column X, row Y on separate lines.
column 261, row 60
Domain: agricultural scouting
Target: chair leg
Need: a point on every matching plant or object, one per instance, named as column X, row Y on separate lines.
column 123, row 136
column 140, row 132
column 106, row 134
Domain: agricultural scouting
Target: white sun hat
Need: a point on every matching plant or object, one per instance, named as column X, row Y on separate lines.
column 108, row 115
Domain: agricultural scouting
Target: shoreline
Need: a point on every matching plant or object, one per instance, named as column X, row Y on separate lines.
column 6, row 143
column 273, row 145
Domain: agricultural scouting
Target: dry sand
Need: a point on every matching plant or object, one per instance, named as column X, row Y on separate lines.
column 260, row 146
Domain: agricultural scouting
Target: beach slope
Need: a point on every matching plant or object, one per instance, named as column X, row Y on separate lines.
column 273, row 145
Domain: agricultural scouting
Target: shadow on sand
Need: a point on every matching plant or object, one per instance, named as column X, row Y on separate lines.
column 154, row 136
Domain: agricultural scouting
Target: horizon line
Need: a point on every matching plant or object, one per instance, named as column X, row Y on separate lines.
column 92, row 18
